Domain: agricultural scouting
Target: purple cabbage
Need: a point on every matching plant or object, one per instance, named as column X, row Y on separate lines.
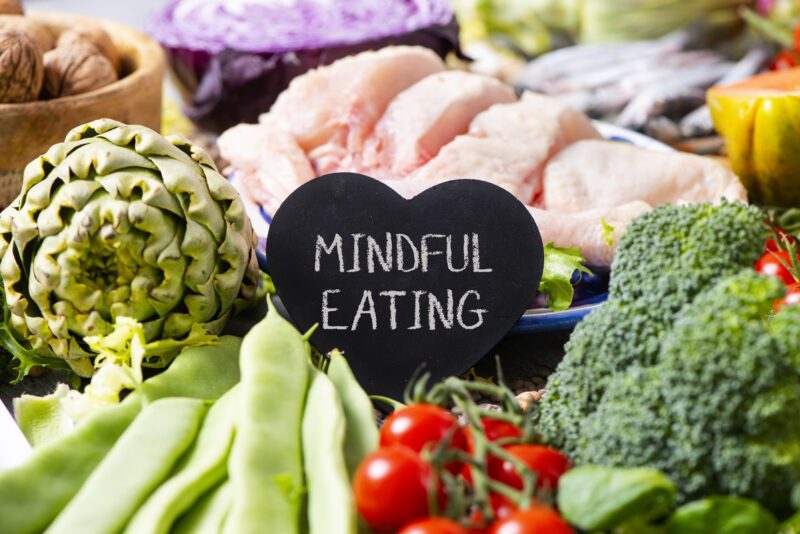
column 232, row 58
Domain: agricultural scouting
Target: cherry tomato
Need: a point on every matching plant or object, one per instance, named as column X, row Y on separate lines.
column 433, row 525
column 493, row 429
column 391, row 487
column 772, row 264
column 784, row 236
column 797, row 37
column 784, row 60
column 501, row 506
column 548, row 464
column 792, row 297
column 419, row 424
column 536, row 520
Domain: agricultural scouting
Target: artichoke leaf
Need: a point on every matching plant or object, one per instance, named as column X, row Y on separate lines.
column 116, row 222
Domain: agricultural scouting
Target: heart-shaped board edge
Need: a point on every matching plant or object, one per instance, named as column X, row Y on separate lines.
column 340, row 250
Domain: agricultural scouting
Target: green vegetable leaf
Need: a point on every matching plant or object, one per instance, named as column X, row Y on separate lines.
column 608, row 232
column 604, row 498
column 722, row 515
column 791, row 525
column 25, row 357
column 120, row 358
column 556, row 282
column 43, row 419
column 772, row 29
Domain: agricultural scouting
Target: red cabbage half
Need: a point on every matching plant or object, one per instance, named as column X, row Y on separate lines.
column 232, row 58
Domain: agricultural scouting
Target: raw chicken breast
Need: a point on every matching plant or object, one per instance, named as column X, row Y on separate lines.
column 601, row 174
column 427, row 116
column 585, row 229
column 332, row 109
column 509, row 144
column 267, row 160
column 511, row 165
column 535, row 119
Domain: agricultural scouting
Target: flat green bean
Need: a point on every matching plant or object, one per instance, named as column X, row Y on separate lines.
column 32, row 494
column 266, row 464
column 137, row 464
column 205, row 372
column 43, row 419
column 361, row 429
column 208, row 515
column 205, row 465
column 331, row 509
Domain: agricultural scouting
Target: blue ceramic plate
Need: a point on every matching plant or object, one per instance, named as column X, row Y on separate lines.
column 590, row 292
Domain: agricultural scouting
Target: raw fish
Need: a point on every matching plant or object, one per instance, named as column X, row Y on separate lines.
column 603, row 174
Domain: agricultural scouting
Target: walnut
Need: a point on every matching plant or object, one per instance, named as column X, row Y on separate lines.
column 21, row 67
column 37, row 30
column 95, row 35
column 75, row 70
column 11, row 7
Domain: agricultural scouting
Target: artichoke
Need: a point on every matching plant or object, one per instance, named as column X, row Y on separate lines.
column 119, row 221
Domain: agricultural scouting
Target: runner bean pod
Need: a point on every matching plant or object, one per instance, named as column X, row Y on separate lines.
column 266, row 464
column 204, row 466
column 361, row 430
column 30, row 497
column 208, row 515
column 330, row 500
column 136, row 465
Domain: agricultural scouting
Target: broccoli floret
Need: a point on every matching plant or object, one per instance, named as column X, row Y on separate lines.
column 717, row 413
column 664, row 259
column 674, row 252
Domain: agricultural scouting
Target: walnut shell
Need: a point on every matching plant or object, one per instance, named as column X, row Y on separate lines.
column 95, row 35
column 11, row 7
column 21, row 67
column 39, row 32
column 78, row 69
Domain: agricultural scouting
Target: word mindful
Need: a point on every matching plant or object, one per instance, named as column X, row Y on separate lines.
column 400, row 253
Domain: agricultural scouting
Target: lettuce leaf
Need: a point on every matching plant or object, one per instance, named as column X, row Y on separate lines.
column 560, row 265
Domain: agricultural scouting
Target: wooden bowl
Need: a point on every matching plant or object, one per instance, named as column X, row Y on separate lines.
column 28, row 130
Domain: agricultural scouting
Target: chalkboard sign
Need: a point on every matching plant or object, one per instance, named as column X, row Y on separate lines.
column 393, row 282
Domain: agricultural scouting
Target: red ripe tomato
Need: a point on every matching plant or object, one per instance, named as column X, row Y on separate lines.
column 391, row 487
column 420, row 424
column 784, row 60
column 433, row 525
column 536, row 520
column 772, row 264
column 493, row 429
column 797, row 37
column 784, row 236
column 548, row 464
column 792, row 297
column 501, row 506
column 496, row 429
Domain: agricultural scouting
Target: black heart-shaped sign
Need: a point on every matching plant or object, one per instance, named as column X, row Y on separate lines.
column 394, row 283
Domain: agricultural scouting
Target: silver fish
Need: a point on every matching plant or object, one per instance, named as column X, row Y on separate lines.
column 576, row 61
column 699, row 123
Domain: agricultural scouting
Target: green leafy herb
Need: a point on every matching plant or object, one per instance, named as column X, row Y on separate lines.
column 722, row 515
column 608, row 232
column 603, row 498
column 559, row 266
